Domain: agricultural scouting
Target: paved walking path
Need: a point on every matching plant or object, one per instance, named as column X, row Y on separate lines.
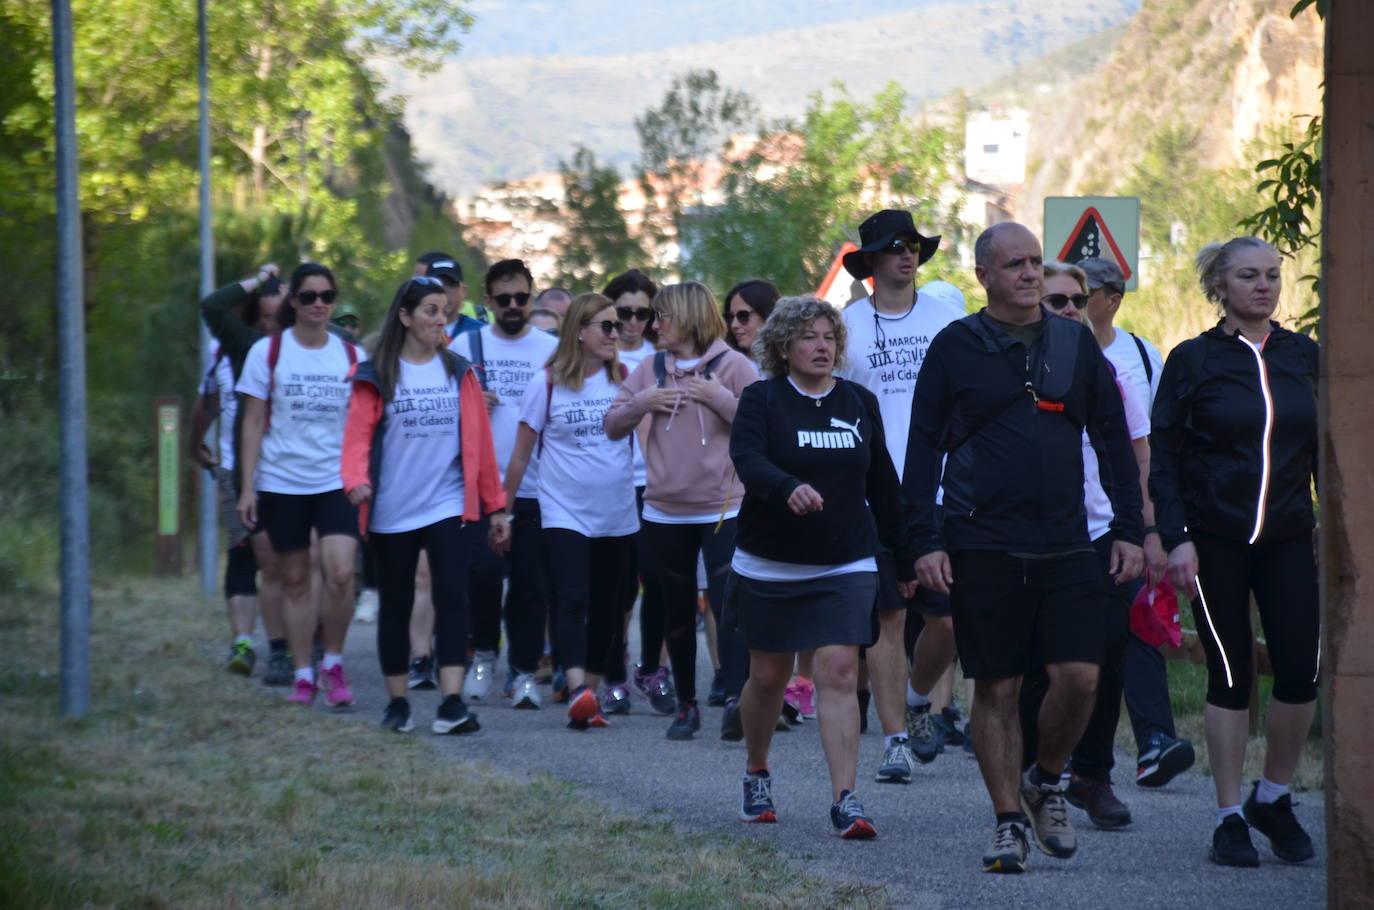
column 932, row 833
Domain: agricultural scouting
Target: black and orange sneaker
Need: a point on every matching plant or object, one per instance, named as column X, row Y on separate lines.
column 847, row 819
column 757, row 802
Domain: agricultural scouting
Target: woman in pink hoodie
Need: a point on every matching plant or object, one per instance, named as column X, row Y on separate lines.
column 689, row 391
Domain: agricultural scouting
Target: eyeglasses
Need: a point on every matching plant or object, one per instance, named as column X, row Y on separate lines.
column 309, row 297
column 662, row 316
column 1060, row 301
column 740, row 316
column 899, row 245
column 626, row 313
column 348, row 322
column 504, row 300
column 426, row 279
column 607, row 327
column 1111, row 288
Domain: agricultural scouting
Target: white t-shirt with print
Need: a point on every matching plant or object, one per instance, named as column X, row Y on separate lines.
column 421, row 480
column 1125, row 357
column 631, row 359
column 1098, row 506
column 886, row 352
column 584, row 476
column 510, row 365
column 310, row 388
column 219, row 380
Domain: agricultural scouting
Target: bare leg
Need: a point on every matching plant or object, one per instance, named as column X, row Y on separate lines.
column 805, row 662
column 243, row 610
column 933, row 658
column 997, row 740
column 711, row 647
column 837, row 676
column 1287, row 731
column 943, row 693
column 760, row 703
column 301, row 617
column 451, row 679
column 271, row 597
column 1065, row 712
column 422, row 615
column 887, row 672
column 1227, row 733
column 337, row 554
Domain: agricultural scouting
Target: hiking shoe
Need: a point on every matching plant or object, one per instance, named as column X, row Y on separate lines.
column 524, row 694
column 616, row 700
column 1277, row 822
column 1097, row 799
column 686, row 723
column 1164, row 759
column 482, row 677
column 241, row 659
column 926, row 738
column 280, row 670
column 365, row 608
column 731, row 723
column 583, row 705
column 335, row 685
column 897, row 764
column 847, row 819
column 717, row 697
column 397, row 716
column 421, row 673
column 1231, row 843
column 598, row 720
column 757, row 802
column 453, row 716
column 1009, row 848
column 657, row 689
column 1044, row 805
column 303, row 692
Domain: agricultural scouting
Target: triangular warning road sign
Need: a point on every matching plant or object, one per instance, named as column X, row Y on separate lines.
column 1090, row 237
column 837, row 287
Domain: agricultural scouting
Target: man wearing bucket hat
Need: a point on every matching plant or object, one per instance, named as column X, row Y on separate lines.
column 888, row 336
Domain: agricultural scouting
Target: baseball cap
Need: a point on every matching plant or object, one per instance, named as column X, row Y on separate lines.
column 446, row 268
column 1102, row 273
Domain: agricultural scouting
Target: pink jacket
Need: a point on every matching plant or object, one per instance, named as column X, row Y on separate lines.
column 687, row 453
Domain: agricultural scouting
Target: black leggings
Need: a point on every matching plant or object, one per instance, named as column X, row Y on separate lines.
column 589, row 578
column 1283, row 576
column 673, row 562
column 449, row 545
column 650, row 600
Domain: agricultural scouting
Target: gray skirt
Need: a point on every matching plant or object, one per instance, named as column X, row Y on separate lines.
column 799, row 615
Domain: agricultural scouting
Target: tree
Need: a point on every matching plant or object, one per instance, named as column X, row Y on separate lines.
column 597, row 241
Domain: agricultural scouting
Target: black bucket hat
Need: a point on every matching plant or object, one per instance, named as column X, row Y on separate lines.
column 878, row 233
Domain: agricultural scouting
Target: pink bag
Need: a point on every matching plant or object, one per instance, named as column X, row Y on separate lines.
column 1154, row 616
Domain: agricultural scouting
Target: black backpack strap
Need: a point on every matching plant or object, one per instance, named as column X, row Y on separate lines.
column 711, row 365
column 479, row 359
column 1144, row 357
column 660, row 367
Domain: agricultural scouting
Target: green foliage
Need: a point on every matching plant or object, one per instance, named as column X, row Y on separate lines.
column 598, row 242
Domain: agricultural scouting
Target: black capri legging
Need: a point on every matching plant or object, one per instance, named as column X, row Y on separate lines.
column 449, row 545
column 1283, row 576
column 589, row 577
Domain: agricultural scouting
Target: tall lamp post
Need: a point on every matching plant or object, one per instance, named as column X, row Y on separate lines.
column 209, row 524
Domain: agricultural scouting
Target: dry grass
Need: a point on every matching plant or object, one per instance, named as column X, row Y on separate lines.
column 184, row 788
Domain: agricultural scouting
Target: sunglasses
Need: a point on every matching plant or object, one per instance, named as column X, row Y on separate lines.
column 607, row 327
column 504, row 300
column 426, row 280
column 348, row 322
column 309, row 297
column 626, row 313
column 740, row 316
column 1060, row 301
column 898, row 245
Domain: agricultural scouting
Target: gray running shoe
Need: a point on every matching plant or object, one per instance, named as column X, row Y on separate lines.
column 280, row 670
column 421, row 673
column 897, row 765
column 397, row 716
column 927, row 739
column 1044, row 805
column 481, row 678
column 615, row 700
column 1009, row 849
column 453, row 716
column 525, row 693
column 657, row 689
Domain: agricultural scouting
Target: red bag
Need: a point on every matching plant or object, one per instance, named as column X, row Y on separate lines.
column 1154, row 616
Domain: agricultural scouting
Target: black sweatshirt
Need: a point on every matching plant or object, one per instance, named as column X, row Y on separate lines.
column 782, row 439
column 1011, row 420
column 1233, row 437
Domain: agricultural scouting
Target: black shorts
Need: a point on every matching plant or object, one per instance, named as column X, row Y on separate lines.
column 926, row 602
column 288, row 519
column 1013, row 614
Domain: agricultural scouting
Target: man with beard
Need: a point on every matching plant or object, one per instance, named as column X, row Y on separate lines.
column 508, row 353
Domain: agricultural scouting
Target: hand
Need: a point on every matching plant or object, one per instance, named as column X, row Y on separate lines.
column 1156, row 560
column 805, row 499
column 498, row 537
column 933, row 572
column 268, row 270
column 907, row 589
column 702, row 390
column 360, row 494
column 1127, row 561
column 1183, row 567
column 663, row 401
column 248, row 509
column 492, row 399
column 204, row 456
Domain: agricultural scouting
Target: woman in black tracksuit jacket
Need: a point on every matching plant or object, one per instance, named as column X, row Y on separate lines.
column 1234, row 447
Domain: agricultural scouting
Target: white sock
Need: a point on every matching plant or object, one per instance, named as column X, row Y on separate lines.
column 307, row 674
column 246, row 639
column 915, row 699
column 1268, row 791
column 890, row 741
column 330, row 661
column 1225, row 811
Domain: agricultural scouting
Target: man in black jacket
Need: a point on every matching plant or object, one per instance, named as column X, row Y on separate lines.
column 1003, row 400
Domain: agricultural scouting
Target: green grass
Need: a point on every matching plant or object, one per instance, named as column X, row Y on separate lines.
column 184, row 787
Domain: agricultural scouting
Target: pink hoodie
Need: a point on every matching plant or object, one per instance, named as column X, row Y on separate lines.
column 687, row 453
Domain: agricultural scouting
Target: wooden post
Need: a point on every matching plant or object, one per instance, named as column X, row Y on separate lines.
column 168, row 448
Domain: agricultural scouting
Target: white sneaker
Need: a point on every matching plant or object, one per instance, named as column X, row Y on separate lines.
column 525, row 693
column 481, row 676
column 366, row 608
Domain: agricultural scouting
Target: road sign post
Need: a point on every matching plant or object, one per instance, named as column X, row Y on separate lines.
column 167, row 544
column 1108, row 227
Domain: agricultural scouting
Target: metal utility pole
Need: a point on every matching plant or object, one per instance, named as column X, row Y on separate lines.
column 209, row 522
column 75, row 697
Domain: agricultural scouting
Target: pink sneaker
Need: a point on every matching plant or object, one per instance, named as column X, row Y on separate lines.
column 335, row 685
column 303, row 693
column 800, row 696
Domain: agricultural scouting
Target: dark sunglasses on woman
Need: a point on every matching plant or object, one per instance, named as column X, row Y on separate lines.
column 607, row 327
column 740, row 316
column 1060, row 301
column 309, row 297
column 626, row 313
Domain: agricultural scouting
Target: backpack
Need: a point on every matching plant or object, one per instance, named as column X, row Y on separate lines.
column 661, row 366
column 1144, row 357
column 274, row 354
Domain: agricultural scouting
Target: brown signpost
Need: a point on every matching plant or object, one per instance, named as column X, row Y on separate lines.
column 167, row 422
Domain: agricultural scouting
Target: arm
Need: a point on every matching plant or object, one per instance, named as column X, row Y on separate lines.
column 250, row 447
column 481, row 448
column 1155, row 557
column 235, row 336
column 202, row 415
column 632, row 402
column 355, row 467
column 749, row 449
column 525, row 438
